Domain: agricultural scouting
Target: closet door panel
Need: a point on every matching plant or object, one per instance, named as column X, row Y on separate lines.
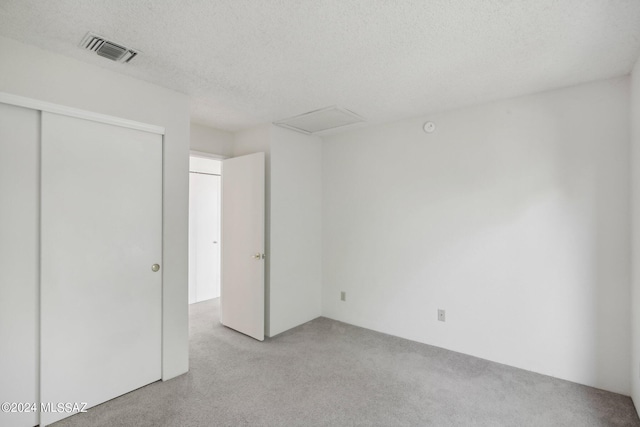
column 19, row 263
column 101, row 238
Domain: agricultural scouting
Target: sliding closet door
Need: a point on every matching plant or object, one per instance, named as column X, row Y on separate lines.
column 19, row 221
column 101, row 249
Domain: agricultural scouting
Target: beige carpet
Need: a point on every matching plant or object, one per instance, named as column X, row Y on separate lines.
column 327, row 373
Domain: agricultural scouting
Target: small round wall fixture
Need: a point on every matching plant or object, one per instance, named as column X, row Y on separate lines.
column 429, row 127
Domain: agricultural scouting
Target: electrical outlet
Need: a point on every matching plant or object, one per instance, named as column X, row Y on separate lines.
column 343, row 296
column 441, row 315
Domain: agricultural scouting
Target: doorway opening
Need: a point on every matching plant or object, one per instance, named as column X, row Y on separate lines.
column 204, row 228
column 232, row 209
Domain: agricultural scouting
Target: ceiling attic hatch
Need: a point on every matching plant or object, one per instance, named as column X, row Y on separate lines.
column 320, row 120
column 107, row 48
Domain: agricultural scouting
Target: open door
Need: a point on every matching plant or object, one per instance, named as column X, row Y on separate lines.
column 242, row 287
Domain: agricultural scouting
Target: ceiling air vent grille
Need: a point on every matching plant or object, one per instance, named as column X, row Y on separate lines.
column 107, row 48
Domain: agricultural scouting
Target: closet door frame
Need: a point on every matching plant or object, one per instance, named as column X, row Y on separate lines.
column 34, row 104
column 43, row 106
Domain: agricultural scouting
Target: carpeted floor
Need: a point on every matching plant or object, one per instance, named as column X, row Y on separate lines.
column 327, row 373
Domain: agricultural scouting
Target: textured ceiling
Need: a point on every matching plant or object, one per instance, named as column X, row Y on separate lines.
column 246, row 62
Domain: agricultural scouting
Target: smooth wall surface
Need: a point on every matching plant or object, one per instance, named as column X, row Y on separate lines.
column 35, row 73
column 296, row 229
column 635, row 215
column 210, row 140
column 512, row 216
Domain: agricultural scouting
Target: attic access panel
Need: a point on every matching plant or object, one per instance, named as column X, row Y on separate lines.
column 320, row 120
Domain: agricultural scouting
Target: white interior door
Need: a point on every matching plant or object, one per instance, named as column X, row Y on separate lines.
column 243, row 210
column 19, row 261
column 101, row 233
column 204, row 236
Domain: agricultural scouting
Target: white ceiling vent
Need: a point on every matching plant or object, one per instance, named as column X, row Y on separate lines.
column 320, row 120
column 107, row 48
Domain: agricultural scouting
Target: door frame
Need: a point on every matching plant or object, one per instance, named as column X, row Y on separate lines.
column 194, row 153
column 212, row 156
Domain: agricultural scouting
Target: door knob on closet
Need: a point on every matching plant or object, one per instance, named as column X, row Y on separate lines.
column 155, row 267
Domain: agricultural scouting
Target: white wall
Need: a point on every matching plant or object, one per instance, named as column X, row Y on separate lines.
column 513, row 217
column 254, row 140
column 210, row 140
column 635, row 215
column 35, row 73
column 296, row 229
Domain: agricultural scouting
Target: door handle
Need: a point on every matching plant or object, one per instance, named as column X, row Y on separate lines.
column 258, row 256
column 155, row 267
